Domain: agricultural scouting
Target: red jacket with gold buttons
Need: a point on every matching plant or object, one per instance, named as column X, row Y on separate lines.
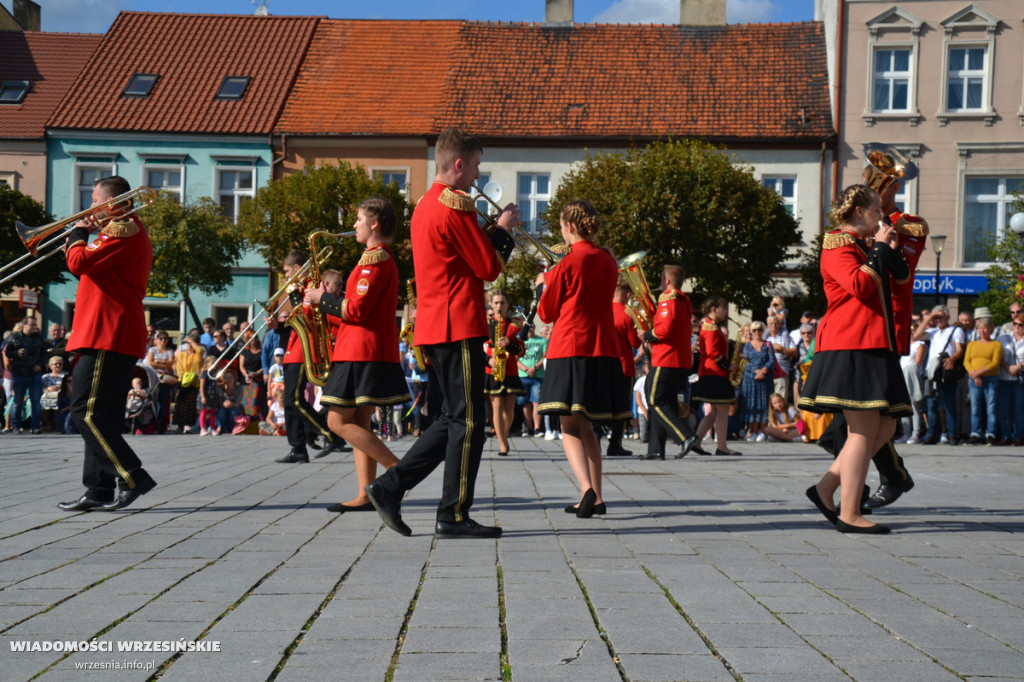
column 453, row 257
column 113, row 274
column 577, row 299
column 515, row 347
column 673, row 328
column 713, row 345
column 913, row 234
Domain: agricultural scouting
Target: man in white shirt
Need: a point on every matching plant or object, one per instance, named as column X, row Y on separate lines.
column 785, row 352
column 949, row 340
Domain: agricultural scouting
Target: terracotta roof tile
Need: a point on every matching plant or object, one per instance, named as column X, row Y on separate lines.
column 51, row 62
column 365, row 77
column 192, row 53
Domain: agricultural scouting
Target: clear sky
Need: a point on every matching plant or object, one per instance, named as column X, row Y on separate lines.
column 95, row 16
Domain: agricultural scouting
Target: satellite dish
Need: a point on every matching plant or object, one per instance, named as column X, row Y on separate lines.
column 493, row 190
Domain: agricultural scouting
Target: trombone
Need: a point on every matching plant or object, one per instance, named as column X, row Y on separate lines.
column 96, row 216
column 520, row 236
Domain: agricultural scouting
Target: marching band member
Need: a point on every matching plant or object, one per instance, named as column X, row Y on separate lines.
column 367, row 370
column 452, row 257
column 583, row 380
column 713, row 386
column 330, row 279
column 109, row 332
column 856, row 367
column 629, row 341
column 503, row 393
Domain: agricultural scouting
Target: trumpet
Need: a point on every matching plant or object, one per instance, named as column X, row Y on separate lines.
column 97, row 216
column 642, row 306
column 520, row 236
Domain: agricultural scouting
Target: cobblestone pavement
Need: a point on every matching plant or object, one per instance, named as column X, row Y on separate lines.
column 703, row 569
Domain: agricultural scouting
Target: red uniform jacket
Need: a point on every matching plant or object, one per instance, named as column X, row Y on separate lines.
column 628, row 339
column 515, row 347
column 293, row 354
column 713, row 346
column 452, row 257
column 368, row 331
column 673, row 328
column 913, row 234
column 577, row 298
column 859, row 315
column 113, row 274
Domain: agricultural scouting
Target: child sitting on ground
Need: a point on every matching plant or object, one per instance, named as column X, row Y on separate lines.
column 783, row 422
column 274, row 426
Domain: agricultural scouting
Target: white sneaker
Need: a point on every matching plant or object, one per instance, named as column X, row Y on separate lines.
column 203, row 432
column 751, row 438
column 558, row 435
column 801, row 439
column 761, row 438
column 913, row 440
column 549, row 435
column 943, row 439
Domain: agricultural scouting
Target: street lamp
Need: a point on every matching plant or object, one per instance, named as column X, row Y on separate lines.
column 1017, row 224
column 938, row 244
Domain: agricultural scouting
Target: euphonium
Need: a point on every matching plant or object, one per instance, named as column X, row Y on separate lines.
column 642, row 306
column 500, row 354
column 309, row 322
column 407, row 333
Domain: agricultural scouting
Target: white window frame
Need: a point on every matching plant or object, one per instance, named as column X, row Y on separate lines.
column 971, row 27
column 531, row 198
column 377, row 171
column 1004, row 199
column 8, row 178
column 100, row 162
column 238, row 164
column 892, row 77
column 777, row 181
column 165, row 164
column 893, row 29
column 964, row 76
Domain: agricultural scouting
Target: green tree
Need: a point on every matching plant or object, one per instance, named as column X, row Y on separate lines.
column 15, row 206
column 284, row 213
column 194, row 248
column 685, row 202
column 1006, row 274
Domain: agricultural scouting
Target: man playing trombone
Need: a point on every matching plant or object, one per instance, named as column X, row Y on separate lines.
column 109, row 332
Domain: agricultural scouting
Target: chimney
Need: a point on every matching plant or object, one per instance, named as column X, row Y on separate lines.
column 558, row 12
column 702, row 12
column 27, row 14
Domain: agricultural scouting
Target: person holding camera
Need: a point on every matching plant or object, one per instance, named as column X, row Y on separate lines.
column 946, row 349
column 713, row 385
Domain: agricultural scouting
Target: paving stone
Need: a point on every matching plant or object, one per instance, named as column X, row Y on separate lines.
column 672, row 667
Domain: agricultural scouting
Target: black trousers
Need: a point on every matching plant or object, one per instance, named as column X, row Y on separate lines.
column 301, row 421
column 101, row 380
column 664, row 385
column 457, row 435
column 891, row 470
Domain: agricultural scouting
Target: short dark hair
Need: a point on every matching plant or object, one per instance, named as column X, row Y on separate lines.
column 294, row 257
column 675, row 274
column 113, row 186
column 452, row 144
column 381, row 211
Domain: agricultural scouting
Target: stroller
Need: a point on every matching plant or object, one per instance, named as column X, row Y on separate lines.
column 140, row 413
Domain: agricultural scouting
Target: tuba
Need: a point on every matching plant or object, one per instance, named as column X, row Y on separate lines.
column 642, row 306
column 888, row 165
column 309, row 322
column 407, row 333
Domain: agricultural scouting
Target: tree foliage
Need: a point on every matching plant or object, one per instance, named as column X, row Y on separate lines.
column 15, row 206
column 1006, row 274
column 684, row 202
column 194, row 248
column 284, row 213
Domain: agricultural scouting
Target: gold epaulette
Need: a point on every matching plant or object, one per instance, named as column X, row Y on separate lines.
column 560, row 248
column 667, row 296
column 834, row 240
column 459, row 201
column 912, row 225
column 374, row 256
column 709, row 326
column 121, row 228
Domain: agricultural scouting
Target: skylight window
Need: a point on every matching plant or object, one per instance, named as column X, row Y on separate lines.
column 233, row 87
column 13, row 92
column 140, row 85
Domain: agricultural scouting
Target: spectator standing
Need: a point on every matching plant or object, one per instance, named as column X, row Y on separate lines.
column 783, row 349
column 757, row 381
column 26, row 355
column 946, row 340
column 161, row 358
column 206, row 338
column 981, row 361
column 188, row 363
column 57, row 342
column 52, row 383
column 1010, row 399
column 531, row 372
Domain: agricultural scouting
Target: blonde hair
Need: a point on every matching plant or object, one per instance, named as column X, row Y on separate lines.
column 852, row 198
column 773, row 415
column 583, row 216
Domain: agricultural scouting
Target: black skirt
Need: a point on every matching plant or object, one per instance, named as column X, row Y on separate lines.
column 592, row 387
column 353, row 384
column 715, row 390
column 865, row 380
column 512, row 385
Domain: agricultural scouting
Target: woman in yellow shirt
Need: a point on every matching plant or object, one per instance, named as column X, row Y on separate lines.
column 982, row 364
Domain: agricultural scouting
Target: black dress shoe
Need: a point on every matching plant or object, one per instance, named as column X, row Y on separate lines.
column 688, row 444
column 294, row 457
column 467, row 528
column 83, row 503
column 126, row 496
column 586, row 507
column 342, row 508
column 599, row 509
column 727, row 453
column 312, row 442
column 888, row 493
column 877, row 529
column 812, row 495
column 328, row 449
column 616, row 450
column 650, row 455
column 388, row 508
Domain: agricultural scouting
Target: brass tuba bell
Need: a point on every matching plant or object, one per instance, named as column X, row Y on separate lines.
column 888, row 165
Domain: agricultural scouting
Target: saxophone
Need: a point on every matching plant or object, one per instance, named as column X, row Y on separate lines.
column 407, row 331
column 500, row 354
column 738, row 362
column 309, row 322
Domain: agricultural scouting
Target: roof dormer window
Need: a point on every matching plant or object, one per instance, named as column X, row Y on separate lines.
column 140, row 85
column 13, row 92
column 233, row 87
